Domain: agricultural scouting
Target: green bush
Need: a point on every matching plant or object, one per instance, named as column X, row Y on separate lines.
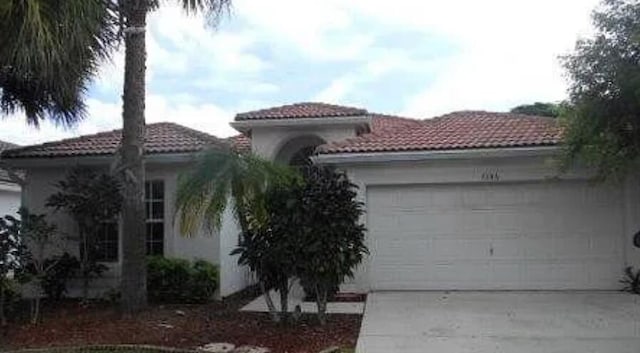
column 631, row 280
column 172, row 280
column 12, row 296
column 62, row 268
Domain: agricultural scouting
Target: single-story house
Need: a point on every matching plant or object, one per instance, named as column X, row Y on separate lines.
column 9, row 188
column 470, row 200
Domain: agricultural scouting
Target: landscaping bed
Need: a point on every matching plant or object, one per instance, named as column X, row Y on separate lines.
column 180, row 326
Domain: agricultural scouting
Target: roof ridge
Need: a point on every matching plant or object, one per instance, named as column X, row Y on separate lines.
column 194, row 132
column 492, row 113
column 300, row 110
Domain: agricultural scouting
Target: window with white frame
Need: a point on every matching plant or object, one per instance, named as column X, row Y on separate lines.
column 106, row 247
column 154, row 204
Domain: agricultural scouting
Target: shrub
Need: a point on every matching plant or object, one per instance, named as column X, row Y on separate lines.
column 332, row 241
column 61, row 269
column 204, row 280
column 92, row 199
column 172, row 280
column 631, row 280
column 11, row 297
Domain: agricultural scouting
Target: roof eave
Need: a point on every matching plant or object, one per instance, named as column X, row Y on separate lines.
column 105, row 159
column 9, row 186
column 413, row 156
column 245, row 126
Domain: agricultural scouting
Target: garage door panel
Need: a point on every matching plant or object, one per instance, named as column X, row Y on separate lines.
column 512, row 236
column 460, row 248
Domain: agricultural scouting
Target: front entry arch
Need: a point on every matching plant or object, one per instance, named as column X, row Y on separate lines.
column 298, row 150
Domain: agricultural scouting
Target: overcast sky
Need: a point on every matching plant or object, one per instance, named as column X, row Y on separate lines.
column 406, row 57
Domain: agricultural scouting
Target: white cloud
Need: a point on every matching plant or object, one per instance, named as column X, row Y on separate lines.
column 507, row 54
column 509, row 49
column 107, row 116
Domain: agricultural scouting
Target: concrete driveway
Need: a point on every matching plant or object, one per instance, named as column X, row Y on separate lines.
column 496, row 322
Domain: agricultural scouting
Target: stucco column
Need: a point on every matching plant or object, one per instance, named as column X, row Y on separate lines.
column 360, row 282
column 632, row 220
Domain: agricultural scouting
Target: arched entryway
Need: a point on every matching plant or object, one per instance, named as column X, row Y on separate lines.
column 297, row 151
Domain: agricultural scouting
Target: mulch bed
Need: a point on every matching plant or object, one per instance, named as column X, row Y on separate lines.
column 70, row 324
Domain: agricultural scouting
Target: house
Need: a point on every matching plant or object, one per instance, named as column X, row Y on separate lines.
column 9, row 189
column 468, row 200
column 170, row 148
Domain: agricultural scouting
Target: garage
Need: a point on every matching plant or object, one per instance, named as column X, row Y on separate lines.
column 482, row 236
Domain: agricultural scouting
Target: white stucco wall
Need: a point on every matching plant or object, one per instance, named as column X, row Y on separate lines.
column 10, row 199
column 268, row 141
column 454, row 171
column 40, row 184
column 233, row 277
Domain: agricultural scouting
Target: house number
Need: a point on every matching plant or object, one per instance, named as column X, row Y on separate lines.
column 491, row 175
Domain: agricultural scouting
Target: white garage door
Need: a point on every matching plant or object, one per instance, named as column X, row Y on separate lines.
column 565, row 235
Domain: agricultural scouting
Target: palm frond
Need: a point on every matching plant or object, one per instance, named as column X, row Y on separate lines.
column 49, row 52
column 213, row 10
column 220, row 176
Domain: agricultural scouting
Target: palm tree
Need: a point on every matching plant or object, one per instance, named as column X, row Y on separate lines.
column 221, row 176
column 134, row 14
column 49, row 51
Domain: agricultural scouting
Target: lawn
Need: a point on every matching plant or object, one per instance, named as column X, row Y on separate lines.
column 180, row 326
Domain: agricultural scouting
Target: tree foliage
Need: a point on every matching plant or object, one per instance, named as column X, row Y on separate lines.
column 12, row 254
column 332, row 233
column 271, row 245
column 312, row 232
column 41, row 239
column 92, row 199
column 551, row 110
column 603, row 118
column 223, row 178
column 223, row 175
column 49, row 52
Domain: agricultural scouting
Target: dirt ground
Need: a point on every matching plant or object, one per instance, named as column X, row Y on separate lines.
column 182, row 326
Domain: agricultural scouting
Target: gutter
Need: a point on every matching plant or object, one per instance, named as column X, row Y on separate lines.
column 414, row 156
column 36, row 162
column 8, row 186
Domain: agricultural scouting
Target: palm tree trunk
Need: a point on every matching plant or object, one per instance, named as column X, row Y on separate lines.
column 3, row 319
column 134, row 291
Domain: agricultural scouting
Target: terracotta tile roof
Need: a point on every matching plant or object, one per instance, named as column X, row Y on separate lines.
column 459, row 130
column 387, row 123
column 302, row 110
column 160, row 138
column 4, row 175
column 241, row 142
column 7, row 145
column 379, row 122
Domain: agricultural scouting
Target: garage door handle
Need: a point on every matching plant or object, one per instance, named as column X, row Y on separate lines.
column 491, row 251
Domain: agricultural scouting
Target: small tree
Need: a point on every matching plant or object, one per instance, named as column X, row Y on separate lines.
column 551, row 110
column 224, row 178
column 39, row 236
column 12, row 252
column 332, row 236
column 92, row 199
column 602, row 118
column 270, row 247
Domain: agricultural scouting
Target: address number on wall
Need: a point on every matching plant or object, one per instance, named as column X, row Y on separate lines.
column 491, row 175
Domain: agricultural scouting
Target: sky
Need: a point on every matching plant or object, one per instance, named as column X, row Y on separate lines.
column 406, row 57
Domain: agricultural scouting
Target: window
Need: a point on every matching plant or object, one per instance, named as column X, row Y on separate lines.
column 105, row 248
column 154, row 204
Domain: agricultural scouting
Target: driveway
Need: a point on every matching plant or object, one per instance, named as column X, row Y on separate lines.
column 497, row 322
